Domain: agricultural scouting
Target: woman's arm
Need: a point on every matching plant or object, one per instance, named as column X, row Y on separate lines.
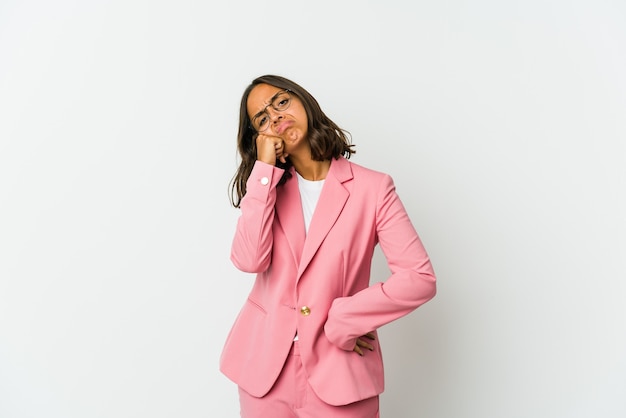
column 411, row 284
column 251, row 249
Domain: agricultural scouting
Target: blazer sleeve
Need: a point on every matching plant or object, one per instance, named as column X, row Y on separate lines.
column 251, row 249
column 411, row 284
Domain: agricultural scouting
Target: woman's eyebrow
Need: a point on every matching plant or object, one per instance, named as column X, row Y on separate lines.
column 268, row 105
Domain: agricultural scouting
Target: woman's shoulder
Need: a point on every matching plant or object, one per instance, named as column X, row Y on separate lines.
column 362, row 171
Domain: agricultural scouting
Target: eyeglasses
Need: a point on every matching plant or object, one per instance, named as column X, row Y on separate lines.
column 279, row 102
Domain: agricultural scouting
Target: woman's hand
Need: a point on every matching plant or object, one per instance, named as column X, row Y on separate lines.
column 270, row 148
column 362, row 343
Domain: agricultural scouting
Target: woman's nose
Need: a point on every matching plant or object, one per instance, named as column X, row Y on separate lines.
column 274, row 115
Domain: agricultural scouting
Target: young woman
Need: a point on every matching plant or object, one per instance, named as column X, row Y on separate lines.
column 305, row 343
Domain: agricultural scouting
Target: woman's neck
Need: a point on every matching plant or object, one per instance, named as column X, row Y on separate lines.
column 309, row 168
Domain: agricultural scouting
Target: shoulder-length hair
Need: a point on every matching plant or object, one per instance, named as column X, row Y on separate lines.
column 326, row 139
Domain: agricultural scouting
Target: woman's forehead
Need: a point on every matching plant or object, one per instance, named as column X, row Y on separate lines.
column 260, row 97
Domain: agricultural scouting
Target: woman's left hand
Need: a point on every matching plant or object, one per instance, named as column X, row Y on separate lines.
column 362, row 343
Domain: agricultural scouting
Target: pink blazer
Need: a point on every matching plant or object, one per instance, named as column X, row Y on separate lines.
column 318, row 284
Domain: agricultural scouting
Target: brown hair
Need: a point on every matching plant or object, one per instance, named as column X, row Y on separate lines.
column 327, row 140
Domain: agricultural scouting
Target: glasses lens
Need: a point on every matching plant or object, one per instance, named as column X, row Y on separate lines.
column 281, row 102
column 262, row 122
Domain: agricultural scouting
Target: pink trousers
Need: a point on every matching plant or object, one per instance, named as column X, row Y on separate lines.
column 292, row 397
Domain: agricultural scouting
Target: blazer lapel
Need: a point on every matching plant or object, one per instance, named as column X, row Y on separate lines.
column 331, row 202
column 289, row 211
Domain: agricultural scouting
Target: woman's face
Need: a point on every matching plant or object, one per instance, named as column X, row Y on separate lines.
column 290, row 124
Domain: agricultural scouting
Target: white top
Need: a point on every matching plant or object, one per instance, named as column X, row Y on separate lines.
column 309, row 195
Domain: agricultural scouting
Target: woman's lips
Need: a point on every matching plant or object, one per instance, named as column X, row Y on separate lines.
column 283, row 126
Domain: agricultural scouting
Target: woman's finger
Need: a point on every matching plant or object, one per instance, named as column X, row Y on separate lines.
column 357, row 349
column 280, row 148
column 364, row 344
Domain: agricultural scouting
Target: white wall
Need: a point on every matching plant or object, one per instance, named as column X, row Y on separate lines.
column 503, row 124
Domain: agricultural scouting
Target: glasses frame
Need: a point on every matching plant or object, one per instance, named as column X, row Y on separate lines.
column 271, row 104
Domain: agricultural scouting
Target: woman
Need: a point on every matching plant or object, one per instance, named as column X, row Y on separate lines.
column 305, row 341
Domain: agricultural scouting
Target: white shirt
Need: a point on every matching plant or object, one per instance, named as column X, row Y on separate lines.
column 309, row 195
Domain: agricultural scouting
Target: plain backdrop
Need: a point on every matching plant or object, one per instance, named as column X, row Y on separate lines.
column 503, row 124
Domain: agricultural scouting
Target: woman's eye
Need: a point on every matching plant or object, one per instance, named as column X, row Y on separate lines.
column 261, row 121
column 283, row 103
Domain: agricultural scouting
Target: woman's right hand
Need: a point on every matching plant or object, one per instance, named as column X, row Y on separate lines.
column 270, row 148
column 361, row 343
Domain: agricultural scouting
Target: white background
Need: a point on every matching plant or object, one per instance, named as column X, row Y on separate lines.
column 503, row 124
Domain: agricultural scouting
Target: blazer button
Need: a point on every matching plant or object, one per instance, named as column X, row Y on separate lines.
column 305, row 310
column 265, row 181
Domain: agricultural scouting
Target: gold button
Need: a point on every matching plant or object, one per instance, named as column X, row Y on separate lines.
column 305, row 310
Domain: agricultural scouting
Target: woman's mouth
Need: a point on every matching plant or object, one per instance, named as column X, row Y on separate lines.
column 283, row 127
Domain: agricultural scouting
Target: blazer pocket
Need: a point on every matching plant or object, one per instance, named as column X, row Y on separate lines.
column 257, row 306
